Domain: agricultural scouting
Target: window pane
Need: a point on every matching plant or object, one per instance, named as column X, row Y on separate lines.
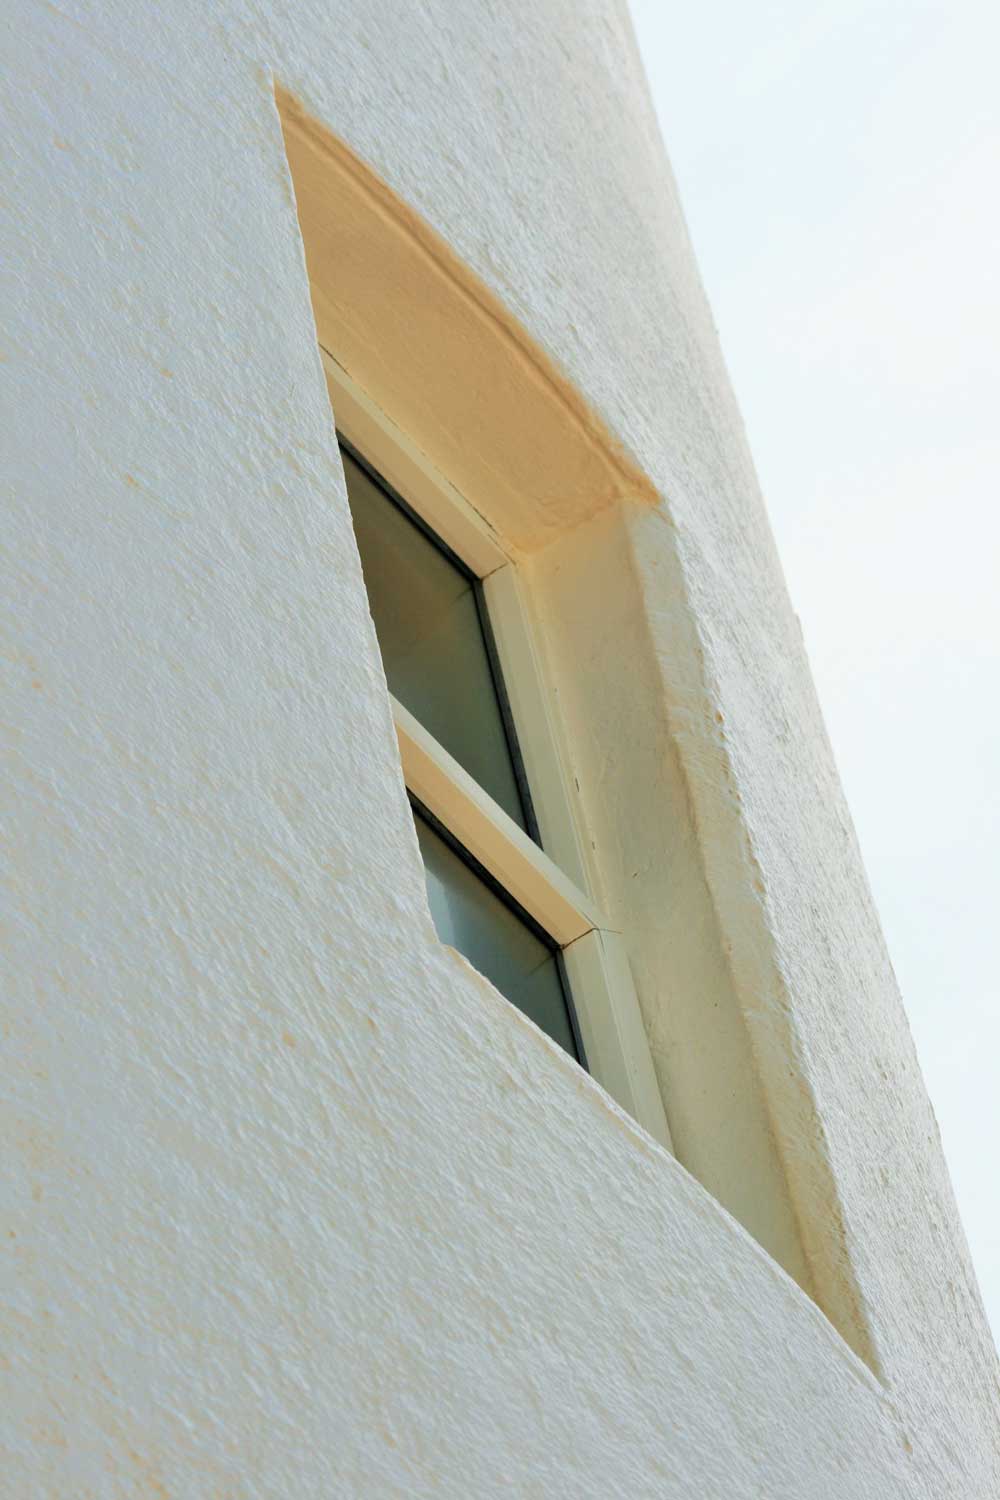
column 431, row 639
column 471, row 918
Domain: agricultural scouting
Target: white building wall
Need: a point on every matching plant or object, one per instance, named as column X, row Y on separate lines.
column 297, row 1205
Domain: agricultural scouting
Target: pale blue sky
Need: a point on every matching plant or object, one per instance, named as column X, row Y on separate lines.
column 839, row 165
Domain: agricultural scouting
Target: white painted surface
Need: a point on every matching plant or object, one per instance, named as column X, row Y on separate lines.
column 297, row 1205
column 859, row 311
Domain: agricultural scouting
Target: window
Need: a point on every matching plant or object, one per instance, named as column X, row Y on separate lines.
column 441, row 666
column 506, row 877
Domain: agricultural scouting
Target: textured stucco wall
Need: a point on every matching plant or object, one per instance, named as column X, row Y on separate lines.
column 295, row 1204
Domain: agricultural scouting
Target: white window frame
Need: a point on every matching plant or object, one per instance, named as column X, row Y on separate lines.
column 553, row 894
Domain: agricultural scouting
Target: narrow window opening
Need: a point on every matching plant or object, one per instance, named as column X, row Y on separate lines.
column 441, row 662
column 455, row 624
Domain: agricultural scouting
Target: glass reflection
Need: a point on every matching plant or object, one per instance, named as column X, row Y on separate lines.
column 431, row 638
column 472, row 918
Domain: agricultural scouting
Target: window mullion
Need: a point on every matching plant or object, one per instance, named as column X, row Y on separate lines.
column 437, row 780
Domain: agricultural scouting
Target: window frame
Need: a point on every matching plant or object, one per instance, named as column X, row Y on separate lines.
column 554, row 889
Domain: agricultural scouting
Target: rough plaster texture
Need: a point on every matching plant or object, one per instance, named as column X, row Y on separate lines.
column 296, row 1204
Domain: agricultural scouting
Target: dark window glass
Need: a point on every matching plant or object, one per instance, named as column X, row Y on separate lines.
column 433, row 648
column 471, row 917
